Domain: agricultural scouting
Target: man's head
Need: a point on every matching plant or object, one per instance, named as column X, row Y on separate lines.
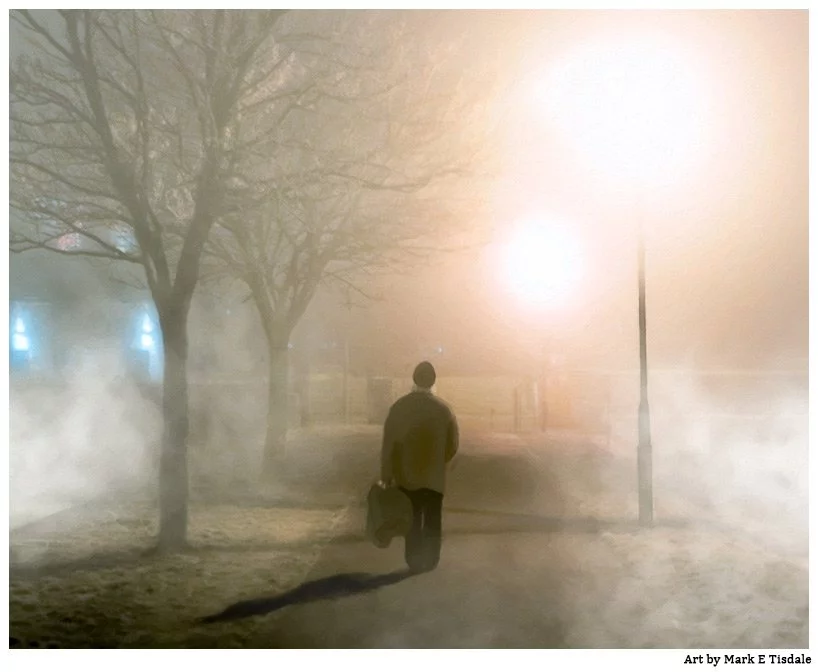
column 424, row 376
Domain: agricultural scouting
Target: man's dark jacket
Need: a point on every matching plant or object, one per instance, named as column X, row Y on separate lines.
column 420, row 437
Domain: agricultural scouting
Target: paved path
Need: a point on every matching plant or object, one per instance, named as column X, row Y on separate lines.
column 479, row 596
column 526, row 528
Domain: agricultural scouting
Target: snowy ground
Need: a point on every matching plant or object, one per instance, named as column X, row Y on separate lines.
column 540, row 550
column 99, row 585
column 618, row 587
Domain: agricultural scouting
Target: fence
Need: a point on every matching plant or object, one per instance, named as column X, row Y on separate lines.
column 602, row 404
column 486, row 404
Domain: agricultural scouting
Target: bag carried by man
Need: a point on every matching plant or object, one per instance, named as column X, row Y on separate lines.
column 389, row 514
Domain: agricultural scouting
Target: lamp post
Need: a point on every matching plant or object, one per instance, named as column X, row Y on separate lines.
column 633, row 106
column 644, row 450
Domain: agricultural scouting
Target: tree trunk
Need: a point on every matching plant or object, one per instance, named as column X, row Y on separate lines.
column 345, row 390
column 277, row 407
column 302, row 373
column 173, row 468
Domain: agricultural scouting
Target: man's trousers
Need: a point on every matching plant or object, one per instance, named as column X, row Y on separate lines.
column 422, row 549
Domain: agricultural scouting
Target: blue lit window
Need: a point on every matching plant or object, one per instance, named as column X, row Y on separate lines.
column 146, row 339
column 26, row 352
column 146, row 350
column 19, row 338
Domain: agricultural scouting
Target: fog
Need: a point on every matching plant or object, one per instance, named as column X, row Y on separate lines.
column 86, row 437
column 740, row 456
column 543, row 494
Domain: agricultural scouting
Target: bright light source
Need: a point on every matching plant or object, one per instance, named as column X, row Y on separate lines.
column 542, row 262
column 147, row 324
column 19, row 326
column 20, row 342
column 635, row 107
column 147, row 341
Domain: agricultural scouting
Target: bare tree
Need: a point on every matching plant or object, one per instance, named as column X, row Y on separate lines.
column 364, row 171
column 123, row 133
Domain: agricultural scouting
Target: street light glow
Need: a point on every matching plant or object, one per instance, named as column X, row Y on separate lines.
column 634, row 107
column 542, row 262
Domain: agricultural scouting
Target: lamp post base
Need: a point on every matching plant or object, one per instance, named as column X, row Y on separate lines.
column 644, row 466
column 645, row 486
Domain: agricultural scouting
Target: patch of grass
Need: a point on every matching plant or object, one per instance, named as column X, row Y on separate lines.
column 98, row 585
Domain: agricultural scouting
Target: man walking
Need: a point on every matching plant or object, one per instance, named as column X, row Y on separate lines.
column 420, row 437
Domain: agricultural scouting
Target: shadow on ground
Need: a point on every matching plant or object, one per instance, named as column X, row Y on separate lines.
column 327, row 588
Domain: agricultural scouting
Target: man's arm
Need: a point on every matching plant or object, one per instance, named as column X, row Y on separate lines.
column 452, row 438
column 387, row 449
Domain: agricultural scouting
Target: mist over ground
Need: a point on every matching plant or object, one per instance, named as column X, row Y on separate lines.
column 89, row 435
